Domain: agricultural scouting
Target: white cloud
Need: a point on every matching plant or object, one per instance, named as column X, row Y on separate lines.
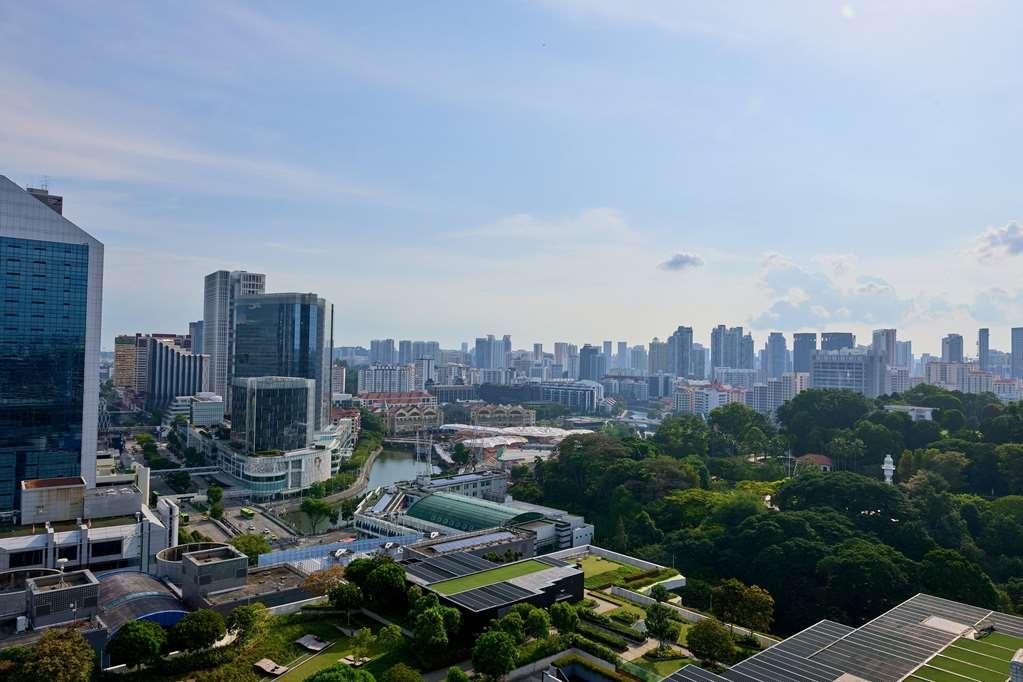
column 995, row 243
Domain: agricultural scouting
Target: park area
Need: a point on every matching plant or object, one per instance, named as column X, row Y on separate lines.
column 980, row 660
column 494, row 575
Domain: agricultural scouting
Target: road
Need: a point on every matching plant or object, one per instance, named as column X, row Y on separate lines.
column 356, row 488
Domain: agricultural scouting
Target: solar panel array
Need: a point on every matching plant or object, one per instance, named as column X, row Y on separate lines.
column 790, row 659
column 441, row 568
column 896, row 643
column 476, row 540
column 884, row 650
column 490, row 596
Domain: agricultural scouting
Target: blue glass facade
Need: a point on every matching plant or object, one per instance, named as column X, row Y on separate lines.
column 44, row 289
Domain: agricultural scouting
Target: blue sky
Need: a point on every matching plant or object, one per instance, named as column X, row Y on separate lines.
column 555, row 170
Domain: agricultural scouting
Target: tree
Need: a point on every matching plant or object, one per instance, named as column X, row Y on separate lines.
column 345, row 596
column 810, row 419
column 946, row 573
column 178, row 480
column 389, row 637
column 456, row 674
column 247, row 619
column 362, row 641
column 251, row 545
column 316, row 510
column 217, row 510
column 727, row 600
column 137, row 642
column 401, row 673
column 428, row 633
column 660, row 593
column 710, row 641
column 514, row 626
column 682, row 435
column 564, row 617
column 864, row 578
column 197, row 630
column 320, row 582
column 660, row 626
column 60, row 656
column 339, row 672
column 756, row 610
column 385, row 585
column 494, row 654
column 538, row 624
column 214, row 494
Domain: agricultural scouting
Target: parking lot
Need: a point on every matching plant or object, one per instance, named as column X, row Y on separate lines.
column 260, row 523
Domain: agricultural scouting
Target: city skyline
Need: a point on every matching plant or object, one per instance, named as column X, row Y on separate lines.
column 782, row 168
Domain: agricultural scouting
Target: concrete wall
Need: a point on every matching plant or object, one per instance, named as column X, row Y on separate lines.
column 536, row 668
column 686, row 614
column 583, row 550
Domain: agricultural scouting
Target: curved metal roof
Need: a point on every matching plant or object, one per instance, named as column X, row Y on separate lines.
column 125, row 597
column 467, row 513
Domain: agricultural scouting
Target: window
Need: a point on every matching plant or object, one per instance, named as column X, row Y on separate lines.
column 31, row 557
column 70, row 552
column 106, row 548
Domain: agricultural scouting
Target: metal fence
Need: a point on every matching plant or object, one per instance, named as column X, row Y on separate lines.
column 286, row 556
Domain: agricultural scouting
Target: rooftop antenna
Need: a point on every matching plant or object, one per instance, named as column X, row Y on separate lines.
column 61, row 563
column 45, row 184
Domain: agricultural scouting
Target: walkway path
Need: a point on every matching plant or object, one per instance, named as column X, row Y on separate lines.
column 355, row 489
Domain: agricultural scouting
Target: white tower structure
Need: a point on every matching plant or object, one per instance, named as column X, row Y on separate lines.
column 888, row 468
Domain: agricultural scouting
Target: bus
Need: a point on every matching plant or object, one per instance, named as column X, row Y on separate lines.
column 248, row 513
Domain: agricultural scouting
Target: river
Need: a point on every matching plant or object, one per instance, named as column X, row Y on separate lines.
column 392, row 466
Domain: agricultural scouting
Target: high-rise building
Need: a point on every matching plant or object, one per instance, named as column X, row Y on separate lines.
column 222, row 288
column 863, row 371
column 538, row 353
column 173, row 371
column 405, row 352
column 506, row 349
column 638, row 359
column 837, row 340
column 561, row 353
column 698, row 362
column 622, row 357
column 726, row 348
column 1017, row 353
column 776, row 355
column 52, row 278
column 904, row 355
column 608, row 352
column 488, row 353
column 952, row 348
column 425, row 373
column 803, row 347
column 386, row 379
column 680, row 350
column 592, row 363
column 884, row 341
column 338, row 377
column 745, row 351
column 195, row 331
column 273, row 413
column 658, row 356
column 381, row 352
column 286, row 335
column 984, row 348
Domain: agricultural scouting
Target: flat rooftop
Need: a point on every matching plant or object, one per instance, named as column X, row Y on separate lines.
column 489, row 577
column 53, row 583
column 37, row 483
column 214, row 555
column 260, row 582
column 64, row 526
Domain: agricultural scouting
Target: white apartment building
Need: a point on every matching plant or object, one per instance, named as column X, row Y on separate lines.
column 387, row 379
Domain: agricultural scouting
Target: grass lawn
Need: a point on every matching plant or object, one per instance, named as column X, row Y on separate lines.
column 982, row 660
column 595, row 565
column 494, row 575
column 308, row 665
column 1003, row 640
column 967, row 670
column 664, row 667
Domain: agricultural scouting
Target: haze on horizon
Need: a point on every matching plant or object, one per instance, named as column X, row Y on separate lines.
column 557, row 170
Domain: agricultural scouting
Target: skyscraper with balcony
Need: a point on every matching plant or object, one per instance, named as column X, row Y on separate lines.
column 680, row 351
column 286, row 335
column 884, row 341
column 52, row 280
column 222, row 289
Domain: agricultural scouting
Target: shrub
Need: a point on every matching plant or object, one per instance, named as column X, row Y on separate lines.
column 609, row 639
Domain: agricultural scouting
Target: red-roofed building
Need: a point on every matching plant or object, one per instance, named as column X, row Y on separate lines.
column 820, row 462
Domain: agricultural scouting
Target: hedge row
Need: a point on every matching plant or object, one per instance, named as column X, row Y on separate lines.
column 623, row 630
column 601, row 636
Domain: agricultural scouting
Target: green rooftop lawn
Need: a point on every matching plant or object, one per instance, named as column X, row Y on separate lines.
column 489, row 577
column 1003, row 640
column 595, row 565
column 999, row 663
column 968, row 670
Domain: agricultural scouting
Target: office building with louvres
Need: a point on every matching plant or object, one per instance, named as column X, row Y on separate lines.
column 222, row 289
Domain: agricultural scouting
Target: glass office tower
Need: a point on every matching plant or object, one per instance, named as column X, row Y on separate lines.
column 286, row 335
column 51, row 279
